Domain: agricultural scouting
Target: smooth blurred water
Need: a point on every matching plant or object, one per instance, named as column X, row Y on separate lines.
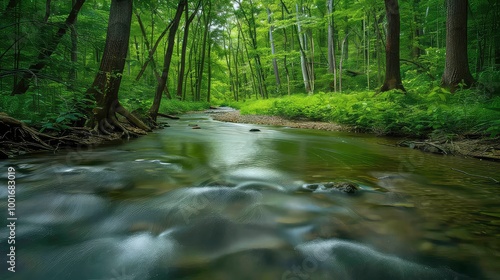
column 221, row 202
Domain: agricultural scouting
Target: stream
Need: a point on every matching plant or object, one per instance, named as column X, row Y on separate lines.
column 222, row 202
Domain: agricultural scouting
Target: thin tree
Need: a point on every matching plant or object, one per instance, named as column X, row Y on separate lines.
column 153, row 111
column 306, row 74
column 107, row 81
column 187, row 23
column 332, row 67
column 456, row 70
column 72, row 75
column 392, row 67
column 273, row 48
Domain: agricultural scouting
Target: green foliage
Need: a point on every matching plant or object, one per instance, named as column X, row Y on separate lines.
column 62, row 122
column 56, row 109
column 177, row 107
column 391, row 113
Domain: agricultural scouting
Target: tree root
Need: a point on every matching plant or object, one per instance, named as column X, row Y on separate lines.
column 108, row 123
column 18, row 138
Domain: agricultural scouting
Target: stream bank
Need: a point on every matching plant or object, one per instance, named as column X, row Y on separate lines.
column 481, row 148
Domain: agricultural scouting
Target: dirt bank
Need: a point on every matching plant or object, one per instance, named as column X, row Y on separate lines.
column 236, row 117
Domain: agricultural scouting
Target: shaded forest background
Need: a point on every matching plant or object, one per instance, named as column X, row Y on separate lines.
column 323, row 60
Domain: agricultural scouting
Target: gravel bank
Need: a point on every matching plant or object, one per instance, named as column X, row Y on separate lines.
column 236, row 117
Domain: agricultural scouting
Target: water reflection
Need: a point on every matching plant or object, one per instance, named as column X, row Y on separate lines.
column 221, row 202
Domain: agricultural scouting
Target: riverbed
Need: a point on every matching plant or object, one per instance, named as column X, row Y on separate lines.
column 203, row 199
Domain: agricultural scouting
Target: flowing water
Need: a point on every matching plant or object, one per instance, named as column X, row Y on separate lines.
column 221, row 202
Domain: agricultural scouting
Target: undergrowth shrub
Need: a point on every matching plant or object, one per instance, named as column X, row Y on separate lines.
column 417, row 113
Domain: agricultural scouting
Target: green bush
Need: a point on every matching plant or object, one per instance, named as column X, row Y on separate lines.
column 415, row 114
column 174, row 106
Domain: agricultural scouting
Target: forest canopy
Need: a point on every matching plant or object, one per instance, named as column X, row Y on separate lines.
column 101, row 64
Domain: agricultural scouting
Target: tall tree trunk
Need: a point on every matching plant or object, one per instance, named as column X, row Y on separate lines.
column 24, row 84
column 303, row 57
column 273, row 49
column 392, row 67
column 107, row 81
column 496, row 48
column 187, row 23
column 206, row 32
column 417, row 30
column 252, row 33
column 209, row 84
column 378, row 46
column 332, row 67
column 235, row 61
column 366, row 45
column 74, row 50
column 153, row 111
column 456, row 70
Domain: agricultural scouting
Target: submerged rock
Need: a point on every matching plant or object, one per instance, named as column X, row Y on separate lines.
column 345, row 187
column 254, row 130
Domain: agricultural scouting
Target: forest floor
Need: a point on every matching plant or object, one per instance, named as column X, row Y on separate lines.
column 461, row 145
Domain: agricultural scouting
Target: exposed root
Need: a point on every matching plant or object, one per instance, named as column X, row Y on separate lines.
column 18, row 138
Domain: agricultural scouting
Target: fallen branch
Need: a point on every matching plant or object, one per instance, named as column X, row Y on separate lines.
column 480, row 176
column 168, row 116
column 415, row 144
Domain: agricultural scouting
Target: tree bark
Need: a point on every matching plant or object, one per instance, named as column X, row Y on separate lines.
column 417, row 30
column 189, row 19
column 456, row 70
column 303, row 58
column 273, row 49
column 206, row 32
column 332, row 67
column 24, row 84
column 74, row 50
column 392, row 67
column 107, row 81
column 153, row 111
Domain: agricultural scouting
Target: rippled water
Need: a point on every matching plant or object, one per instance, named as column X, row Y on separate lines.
column 221, row 202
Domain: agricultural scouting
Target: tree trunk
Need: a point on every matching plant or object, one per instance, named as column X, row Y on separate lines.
column 24, row 84
column 303, row 57
column 74, row 50
column 496, row 38
column 273, row 49
column 189, row 19
column 206, row 32
column 107, row 81
column 392, row 67
column 417, row 30
column 209, row 85
column 153, row 111
column 456, row 70
column 332, row 67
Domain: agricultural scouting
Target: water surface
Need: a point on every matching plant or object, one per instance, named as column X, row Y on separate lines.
column 221, row 202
